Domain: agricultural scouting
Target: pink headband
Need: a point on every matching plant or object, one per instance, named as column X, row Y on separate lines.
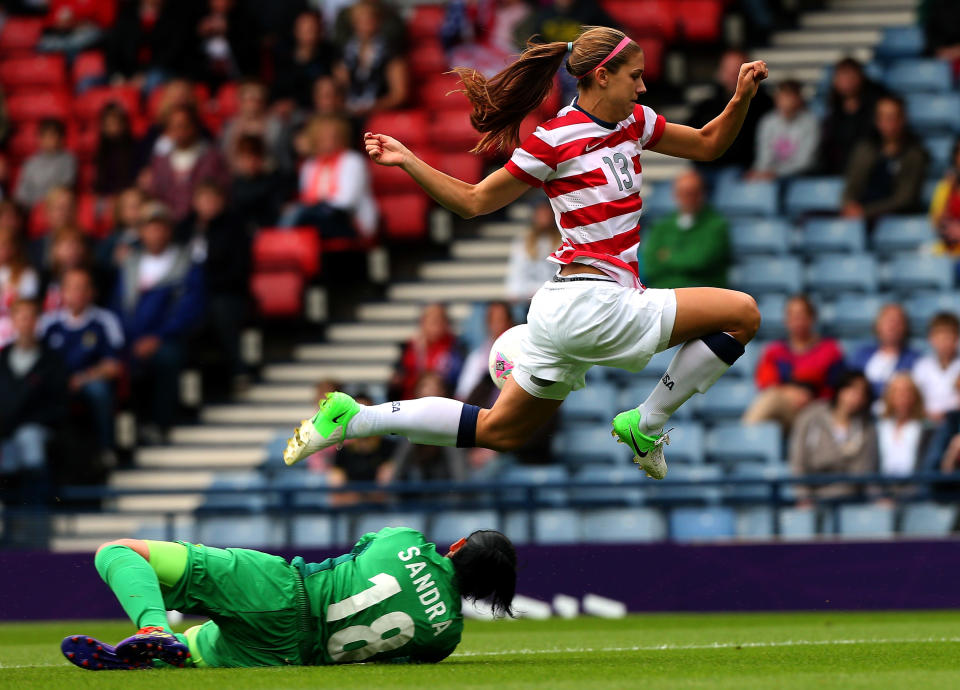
column 620, row 46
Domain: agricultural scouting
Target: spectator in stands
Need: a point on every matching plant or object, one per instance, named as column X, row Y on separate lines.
column 901, row 433
column 125, row 234
column 68, row 250
column 850, row 107
column 391, row 25
column 174, row 176
column 254, row 119
column 89, row 339
column 32, row 407
column 72, row 26
column 377, row 76
column 886, row 172
column 943, row 451
column 310, row 57
column 937, row 374
column 158, row 297
column 59, row 212
column 942, row 29
column 945, row 210
column 787, row 137
column 116, row 157
column 834, row 436
column 335, row 192
column 689, row 246
column 220, row 241
column 255, row 192
column 18, row 280
column 480, row 33
column 529, row 268
column 52, row 165
column 476, row 366
column 361, row 460
column 891, row 352
column 742, row 151
column 795, row 371
column 175, row 93
column 433, row 348
column 229, row 42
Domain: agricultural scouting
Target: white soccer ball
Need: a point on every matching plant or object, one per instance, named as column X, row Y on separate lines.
column 504, row 353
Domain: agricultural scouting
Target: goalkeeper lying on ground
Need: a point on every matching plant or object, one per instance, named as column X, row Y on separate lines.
column 392, row 597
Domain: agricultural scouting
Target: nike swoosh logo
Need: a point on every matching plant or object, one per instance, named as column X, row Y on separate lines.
column 336, row 420
column 633, row 438
column 591, row 148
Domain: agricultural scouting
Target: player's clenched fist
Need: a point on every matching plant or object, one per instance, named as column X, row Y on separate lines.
column 383, row 149
column 751, row 74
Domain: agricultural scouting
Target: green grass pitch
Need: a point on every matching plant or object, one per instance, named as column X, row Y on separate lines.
column 911, row 650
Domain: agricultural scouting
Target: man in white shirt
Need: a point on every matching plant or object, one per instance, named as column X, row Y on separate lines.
column 936, row 374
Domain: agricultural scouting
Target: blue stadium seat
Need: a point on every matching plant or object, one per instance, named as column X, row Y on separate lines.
column 833, row 235
column 596, row 402
column 516, row 525
column 929, row 112
column 922, row 306
column 253, row 502
column 686, row 443
column 726, row 399
column 755, row 470
column 637, row 391
column 275, row 448
column 702, row 524
column 814, row 195
column 939, row 147
column 556, row 526
column 737, row 198
column 798, row 523
column 657, row 365
column 252, row 531
column 928, row 519
column 303, row 480
column 755, row 522
column 580, row 445
column 915, row 272
column 733, row 443
column 374, row 522
column 770, row 274
column 832, row 273
column 771, row 308
column 535, row 476
column 746, row 365
column 450, row 526
column 759, row 236
column 919, row 74
column 901, row 41
column 929, row 186
column 859, row 521
column 658, row 200
column 668, row 488
column 852, row 314
column 622, row 526
column 895, row 234
column 315, row 531
column 618, row 475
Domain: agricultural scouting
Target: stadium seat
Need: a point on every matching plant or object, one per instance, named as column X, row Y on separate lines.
column 442, row 92
column 755, row 522
column 658, row 200
column 755, row 471
column 88, row 66
column 895, row 234
column 901, row 41
column 833, row 235
column 391, row 179
column 699, row 20
column 89, row 104
column 33, row 72
column 534, row 476
column 314, row 532
column 278, row 294
column 614, row 495
column 307, row 485
column 451, row 526
column 919, row 74
column 597, row 403
column 928, row 519
column 36, row 105
column 726, row 399
column 913, row 272
column 736, row 198
column 746, row 365
column 20, row 34
column 686, row 444
column 427, row 58
column 831, row 273
column 771, row 274
column 254, row 531
column 814, row 195
column 622, row 526
column 771, row 307
column 858, row 521
column 516, row 525
column 759, row 236
column 287, row 248
column 852, row 315
column 798, row 523
column 460, row 164
column 670, row 489
column 580, row 445
column 404, row 215
column 644, row 17
column 556, row 526
column 929, row 112
column 921, row 307
column 653, row 53
column 412, row 126
column 426, row 22
column 939, row 146
column 702, row 524
column 733, row 443
column 374, row 522
column 450, row 130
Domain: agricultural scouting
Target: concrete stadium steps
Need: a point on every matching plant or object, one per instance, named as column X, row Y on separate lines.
column 352, row 352
column 464, row 270
column 789, row 58
column 397, row 311
column 436, row 291
column 855, row 17
column 280, row 414
column 171, row 478
column 90, row 524
column 219, row 435
column 280, row 393
column 864, row 5
column 378, row 332
column 474, row 250
column 866, row 38
column 300, row 372
column 185, row 502
column 228, row 454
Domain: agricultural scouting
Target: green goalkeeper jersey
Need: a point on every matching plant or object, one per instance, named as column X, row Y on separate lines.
column 393, row 596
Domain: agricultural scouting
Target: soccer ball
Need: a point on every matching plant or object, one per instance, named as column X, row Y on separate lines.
column 504, row 353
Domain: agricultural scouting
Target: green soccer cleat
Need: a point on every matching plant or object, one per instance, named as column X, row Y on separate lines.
column 647, row 450
column 327, row 428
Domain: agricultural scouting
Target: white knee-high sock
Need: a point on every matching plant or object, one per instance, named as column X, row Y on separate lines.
column 430, row 421
column 696, row 366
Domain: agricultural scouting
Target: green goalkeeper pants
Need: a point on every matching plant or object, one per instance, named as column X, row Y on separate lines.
column 256, row 602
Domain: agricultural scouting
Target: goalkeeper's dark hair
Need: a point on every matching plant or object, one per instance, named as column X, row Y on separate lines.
column 486, row 568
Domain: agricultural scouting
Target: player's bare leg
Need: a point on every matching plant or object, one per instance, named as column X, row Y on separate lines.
column 513, row 419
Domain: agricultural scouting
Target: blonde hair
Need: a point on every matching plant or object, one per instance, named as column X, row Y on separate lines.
column 916, row 410
column 318, row 122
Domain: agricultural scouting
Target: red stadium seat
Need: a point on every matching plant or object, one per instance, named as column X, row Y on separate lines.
column 652, row 57
column 20, row 35
column 428, row 59
column 89, row 64
column 404, row 215
column 412, row 127
column 287, row 248
column 279, row 294
column 86, row 176
column 84, row 143
column 700, row 20
column 426, row 22
column 645, row 17
column 441, row 93
column 200, row 92
column 228, row 100
column 88, row 216
column 38, row 105
column 33, row 72
column 465, row 166
column 89, row 104
column 450, row 130
column 24, row 141
column 391, row 179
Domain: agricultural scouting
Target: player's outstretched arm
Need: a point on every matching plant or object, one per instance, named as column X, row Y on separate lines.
column 714, row 138
column 466, row 200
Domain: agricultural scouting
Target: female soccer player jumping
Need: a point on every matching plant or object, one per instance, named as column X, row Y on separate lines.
column 595, row 310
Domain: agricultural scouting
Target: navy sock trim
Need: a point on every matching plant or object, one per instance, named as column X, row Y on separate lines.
column 724, row 346
column 467, row 432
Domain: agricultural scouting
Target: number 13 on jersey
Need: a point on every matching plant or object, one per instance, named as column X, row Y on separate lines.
column 388, row 632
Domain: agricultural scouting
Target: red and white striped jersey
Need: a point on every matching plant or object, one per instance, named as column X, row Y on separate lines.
column 590, row 170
